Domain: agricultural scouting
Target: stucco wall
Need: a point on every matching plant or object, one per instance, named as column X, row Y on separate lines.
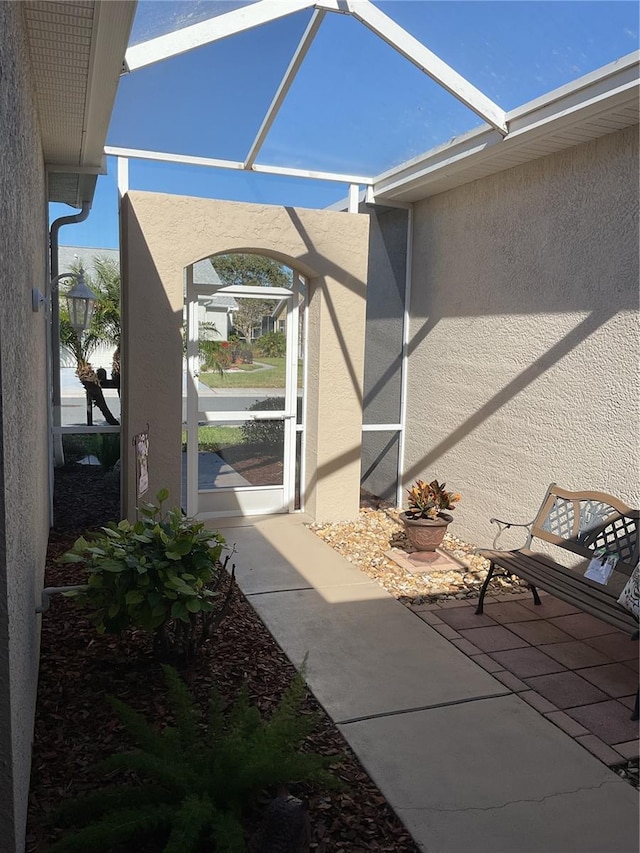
column 24, row 494
column 161, row 236
column 524, row 334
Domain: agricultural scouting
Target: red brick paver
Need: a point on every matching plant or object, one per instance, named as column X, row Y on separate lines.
column 615, row 679
column 617, row 647
column 575, row 654
column 576, row 670
column 509, row 611
column 527, row 662
column 581, row 625
column 539, row 631
column 607, row 720
column 493, row 639
column 566, row 689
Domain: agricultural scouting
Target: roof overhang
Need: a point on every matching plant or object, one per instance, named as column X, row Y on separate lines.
column 597, row 104
column 77, row 52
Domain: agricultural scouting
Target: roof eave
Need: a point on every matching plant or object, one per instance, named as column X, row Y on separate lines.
column 73, row 182
column 599, row 103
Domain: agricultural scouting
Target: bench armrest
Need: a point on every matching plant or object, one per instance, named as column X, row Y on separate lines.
column 505, row 525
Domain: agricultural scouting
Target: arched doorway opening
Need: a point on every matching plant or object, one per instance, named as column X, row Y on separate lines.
column 243, row 404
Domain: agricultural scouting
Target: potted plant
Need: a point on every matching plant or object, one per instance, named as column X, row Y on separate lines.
column 426, row 518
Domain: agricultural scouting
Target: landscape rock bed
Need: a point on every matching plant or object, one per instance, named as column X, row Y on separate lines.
column 378, row 529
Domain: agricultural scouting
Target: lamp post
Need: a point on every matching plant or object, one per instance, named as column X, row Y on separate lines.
column 81, row 299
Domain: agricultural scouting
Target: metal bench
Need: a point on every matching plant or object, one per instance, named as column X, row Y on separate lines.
column 579, row 523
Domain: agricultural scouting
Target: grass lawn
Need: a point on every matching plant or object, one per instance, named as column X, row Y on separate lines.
column 250, row 376
column 214, row 438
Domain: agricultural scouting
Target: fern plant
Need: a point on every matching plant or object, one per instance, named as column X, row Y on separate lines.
column 196, row 778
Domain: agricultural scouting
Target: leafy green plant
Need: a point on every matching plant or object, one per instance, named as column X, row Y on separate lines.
column 216, row 355
column 429, row 500
column 266, row 434
column 272, row 344
column 76, row 447
column 196, row 779
column 106, row 448
column 162, row 574
column 243, row 353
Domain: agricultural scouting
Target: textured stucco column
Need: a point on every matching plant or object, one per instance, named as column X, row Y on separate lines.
column 161, row 236
column 334, row 400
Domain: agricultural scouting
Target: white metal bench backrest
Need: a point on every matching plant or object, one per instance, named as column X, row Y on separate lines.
column 583, row 521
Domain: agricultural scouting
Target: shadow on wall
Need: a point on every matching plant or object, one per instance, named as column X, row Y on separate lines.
column 350, row 283
column 516, row 386
column 152, row 370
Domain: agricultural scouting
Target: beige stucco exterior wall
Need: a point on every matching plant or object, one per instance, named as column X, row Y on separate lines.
column 524, row 334
column 161, row 236
column 24, row 492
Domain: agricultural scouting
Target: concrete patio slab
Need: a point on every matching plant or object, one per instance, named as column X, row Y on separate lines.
column 462, row 760
column 367, row 653
column 494, row 776
column 279, row 556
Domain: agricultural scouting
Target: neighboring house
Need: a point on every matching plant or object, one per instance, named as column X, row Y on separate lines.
column 70, row 257
column 519, row 285
column 216, row 309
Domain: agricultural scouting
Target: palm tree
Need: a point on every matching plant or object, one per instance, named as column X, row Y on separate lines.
column 104, row 328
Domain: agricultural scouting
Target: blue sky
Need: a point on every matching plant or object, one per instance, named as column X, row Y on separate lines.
column 355, row 106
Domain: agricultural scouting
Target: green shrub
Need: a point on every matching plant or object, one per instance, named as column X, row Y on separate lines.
column 105, row 446
column 243, row 353
column 272, row 344
column 266, row 434
column 215, row 355
column 195, row 780
column 162, row 574
column 76, row 447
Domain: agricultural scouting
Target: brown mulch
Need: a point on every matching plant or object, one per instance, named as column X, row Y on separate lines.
column 76, row 727
column 260, row 469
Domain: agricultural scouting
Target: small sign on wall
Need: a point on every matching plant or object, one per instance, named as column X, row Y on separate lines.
column 141, row 441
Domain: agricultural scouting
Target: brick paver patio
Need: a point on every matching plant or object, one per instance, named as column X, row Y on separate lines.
column 577, row 671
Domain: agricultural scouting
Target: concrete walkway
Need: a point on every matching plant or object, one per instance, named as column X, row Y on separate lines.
column 465, row 763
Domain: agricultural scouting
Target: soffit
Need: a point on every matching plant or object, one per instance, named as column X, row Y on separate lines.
column 76, row 51
column 598, row 104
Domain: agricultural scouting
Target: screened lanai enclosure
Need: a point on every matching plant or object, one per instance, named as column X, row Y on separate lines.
column 237, row 101
column 452, row 187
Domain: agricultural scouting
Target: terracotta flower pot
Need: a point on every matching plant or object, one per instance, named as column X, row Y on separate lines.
column 425, row 534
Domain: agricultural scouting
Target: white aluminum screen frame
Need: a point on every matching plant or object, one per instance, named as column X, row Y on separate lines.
column 242, row 500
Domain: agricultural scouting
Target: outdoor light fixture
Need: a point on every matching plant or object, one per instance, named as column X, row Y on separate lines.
column 80, row 299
